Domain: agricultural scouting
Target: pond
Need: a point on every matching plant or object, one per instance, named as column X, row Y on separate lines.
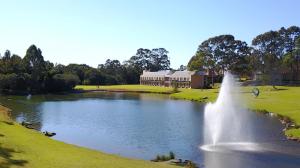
column 144, row 125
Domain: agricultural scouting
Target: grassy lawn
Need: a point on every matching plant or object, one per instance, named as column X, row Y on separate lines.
column 128, row 88
column 284, row 101
column 21, row 147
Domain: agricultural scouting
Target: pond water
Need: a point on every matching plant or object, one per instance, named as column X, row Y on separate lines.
column 144, row 125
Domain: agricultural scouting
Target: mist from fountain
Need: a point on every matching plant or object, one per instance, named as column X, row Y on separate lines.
column 225, row 121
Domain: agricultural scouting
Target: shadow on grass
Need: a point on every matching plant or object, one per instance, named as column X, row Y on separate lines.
column 279, row 89
column 8, row 122
column 6, row 155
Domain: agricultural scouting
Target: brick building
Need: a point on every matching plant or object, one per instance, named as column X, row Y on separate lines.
column 181, row 79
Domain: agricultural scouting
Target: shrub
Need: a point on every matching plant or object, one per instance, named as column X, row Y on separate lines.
column 161, row 158
column 158, row 158
column 164, row 158
column 62, row 82
column 171, row 155
column 191, row 165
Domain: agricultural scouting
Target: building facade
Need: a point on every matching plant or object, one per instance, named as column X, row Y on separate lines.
column 181, row 79
column 159, row 78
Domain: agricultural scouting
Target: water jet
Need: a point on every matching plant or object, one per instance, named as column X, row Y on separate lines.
column 225, row 121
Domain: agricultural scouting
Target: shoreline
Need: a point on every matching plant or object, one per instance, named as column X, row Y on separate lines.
column 285, row 120
column 182, row 94
column 16, row 142
column 118, row 91
column 17, row 127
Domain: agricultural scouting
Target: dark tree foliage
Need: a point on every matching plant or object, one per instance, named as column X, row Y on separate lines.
column 274, row 54
column 63, row 82
column 35, row 66
column 182, row 68
column 146, row 59
column 196, row 63
column 221, row 53
column 114, row 72
column 275, row 51
column 32, row 74
column 79, row 70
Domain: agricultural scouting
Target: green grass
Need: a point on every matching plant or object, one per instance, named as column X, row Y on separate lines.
column 293, row 133
column 203, row 95
column 21, row 147
column 128, row 88
column 285, row 101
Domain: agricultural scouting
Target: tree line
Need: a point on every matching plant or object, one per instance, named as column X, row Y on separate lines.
column 32, row 74
column 274, row 54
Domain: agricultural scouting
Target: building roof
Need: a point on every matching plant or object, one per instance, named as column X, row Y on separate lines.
column 156, row 74
column 184, row 74
column 169, row 73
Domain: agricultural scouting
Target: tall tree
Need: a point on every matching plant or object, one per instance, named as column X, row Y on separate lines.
column 35, row 66
column 297, row 55
column 197, row 62
column 274, row 48
column 159, row 59
column 78, row 69
column 153, row 60
column 115, row 73
column 222, row 53
column 182, row 68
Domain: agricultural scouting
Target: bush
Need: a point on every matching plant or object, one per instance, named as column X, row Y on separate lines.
column 161, row 158
column 175, row 87
column 62, row 82
column 191, row 165
column 171, row 155
column 164, row 158
column 158, row 158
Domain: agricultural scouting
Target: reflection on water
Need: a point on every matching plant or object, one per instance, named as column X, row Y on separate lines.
column 144, row 125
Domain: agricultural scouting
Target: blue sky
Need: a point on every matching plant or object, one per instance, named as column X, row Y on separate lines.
column 87, row 31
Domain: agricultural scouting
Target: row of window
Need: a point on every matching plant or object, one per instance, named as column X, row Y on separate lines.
column 152, row 78
column 162, row 78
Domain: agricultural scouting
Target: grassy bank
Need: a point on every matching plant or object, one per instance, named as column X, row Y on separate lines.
column 127, row 88
column 283, row 101
column 21, row 147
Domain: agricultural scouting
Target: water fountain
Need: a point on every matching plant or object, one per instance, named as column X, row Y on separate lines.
column 28, row 97
column 225, row 121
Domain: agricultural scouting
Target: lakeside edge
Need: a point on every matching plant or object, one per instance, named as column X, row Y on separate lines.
column 282, row 102
column 24, row 147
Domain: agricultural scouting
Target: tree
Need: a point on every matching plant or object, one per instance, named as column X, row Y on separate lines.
column 221, row 53
column 296, row 53
column 35, row 66
column 141, row 60
column 31, row 74
column 153, row 60
column 274, row 48
column 159, row 59
column 289, row 37
column 132, row 74
column 288, row 61
column 114, row 72
column 63, row 82
column 17, row 65
column 78, row 69
column 197, row 62
column 145, row 59
column 93, row 77
column 182, row 68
